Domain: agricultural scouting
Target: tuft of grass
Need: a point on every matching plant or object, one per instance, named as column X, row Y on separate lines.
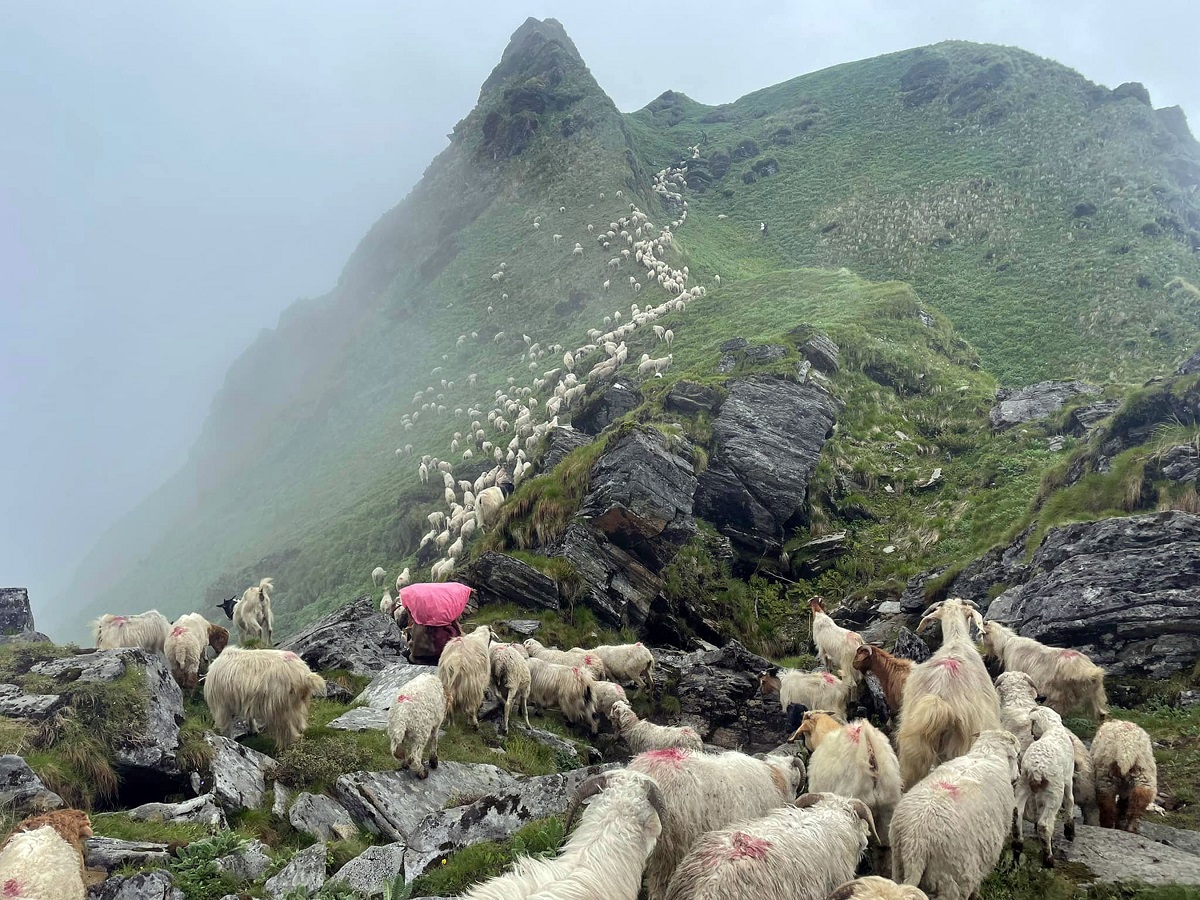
column 120, row 827
column 319, row 758
column 454, row 874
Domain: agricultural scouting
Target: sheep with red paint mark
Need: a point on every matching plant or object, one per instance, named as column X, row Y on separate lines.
column 191, row 636
column 576, row 656
column 835, row 645
column 147, row 631
column 812, row 690
column 948, row 831
column 1066, row 678
column 43, row 857
column 641, row 736
column 269, row 689
column 703, row 793
column 1126, row 774
column 815, row 726
column 627, row 663
column 570, row 689
column 797, row 852
column 856, row 760
column 413, row 722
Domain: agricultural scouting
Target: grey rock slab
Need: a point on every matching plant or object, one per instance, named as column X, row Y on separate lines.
column 22, row 791
column 281, row 799
column 614, row 584
column 322, row 817
column 110, row 853
column 910, row 646
column 306, row 870
column 691, row 399
column 1179, row 838
column 16, row 704
column 499, row 578
column 393, row 804
column 372, row 869
column 386, row 685
column 361, row 718
column 719, row 697
column 1117, row 856
column 607, row 406
column 154, row 885
column 821, row 352
column 356, row 637
column 247, row 865
column 239, row 774
column 1083, row 419
column 557, row 443
column 491, row 818
column 1035, row 401
column 523, row 627
column 202, row 810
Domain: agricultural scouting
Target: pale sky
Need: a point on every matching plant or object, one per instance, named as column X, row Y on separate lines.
column 173, row 175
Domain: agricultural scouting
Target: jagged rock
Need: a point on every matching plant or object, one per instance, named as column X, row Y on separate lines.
column 322, row 817
column 383, row 688
column 976, row 582
column 154, row 747
column 361, row 718
column 524, row 627
column 372, row 869
column 494, row 817
column 393, row 804
column 239, row 774
column 111, row 854
column 762, row 354
column 1036, row 401
column 821, row 352
column 1188, row 699
column 768, row 436
column 1180, row 463
column 201, row 810
column 613, row 584
column 1117, row 856
column 726, row 364
column 818, row 554
column 611, row 403
column 1083, row 419
column 248, row 864
column 734, row 344
column 719, row 697
column 691, row 399
column 640, row 497
column 16, row 618
column 16, row 704
column 306, row 870
column 356, row 637
column 1125, row 591
column 559, row 442
column 910, row 646
column 22, row 791
column 154, row 885
column 498, row 578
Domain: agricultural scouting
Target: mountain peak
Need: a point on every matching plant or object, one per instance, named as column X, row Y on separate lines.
column 539, row 45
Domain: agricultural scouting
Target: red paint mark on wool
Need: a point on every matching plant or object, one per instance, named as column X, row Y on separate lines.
column 178, row 631
column 950, row 788
column 950, row 664
column 671, row 756
column 853, row 636
column 588, row 660
column 288, row 654
column 118, row 620
column 1071, row 654
column 829, row 679
column 12, row 888
column 854, row 733
column 403, row 698
column 746, row 846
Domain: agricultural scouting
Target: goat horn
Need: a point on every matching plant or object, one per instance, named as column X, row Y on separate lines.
column 864, row 813
column 804, row 801
column 655, row 798
column 589, row 788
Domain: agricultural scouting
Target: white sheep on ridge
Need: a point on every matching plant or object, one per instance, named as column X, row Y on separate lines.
column 252, row 615
column 147, row 631
column 413, row 722
column 640, row 736
column 269, row 689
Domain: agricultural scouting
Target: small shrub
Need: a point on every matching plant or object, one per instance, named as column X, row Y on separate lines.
column 194, row 868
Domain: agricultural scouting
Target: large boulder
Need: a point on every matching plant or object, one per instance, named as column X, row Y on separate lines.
column 322, row 817
column 498, row 578
column 22, row 791
column 372, row 869
column 557, row 443
column 356, row 637
column 305, row 870
column 618, row 588
column 201, row 810
column 1113, row 856
column 768, row 438
column 1036, row 401
column 16, row 617
column 153, row 885
column 1125, row 591
column 111, row 854
column 691, row 399
column 239, row 774
column 609, row 403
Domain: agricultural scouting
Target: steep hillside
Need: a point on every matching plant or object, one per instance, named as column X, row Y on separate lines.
column 1048, row 221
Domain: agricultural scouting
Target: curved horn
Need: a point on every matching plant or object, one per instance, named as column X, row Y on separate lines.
column 864, row 813
column 655, row 798
column 804, row 801
column 589, row 788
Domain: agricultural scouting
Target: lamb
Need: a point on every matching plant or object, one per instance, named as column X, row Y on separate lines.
column 856, row 760
column 576, row 656
column 147, row 631
column 377, row 574
column 510, row 680
column 603, row 858
column 1047, row 770
column 43, row 859
column 465, row 669
column 270, row 689
column 605, row 694
column 641, row 736
column 812, row 690
column 704, row 793
column 835, row 645
column 253, row 616
column 627, row 663
column 1067, row 678
column 567, row 688
column 947, row 699
column 414, row 720
column 872, row 887
column 892, row 672
column 185, row 647
column 798, row 852
column 1126, row 774
column 948, row 831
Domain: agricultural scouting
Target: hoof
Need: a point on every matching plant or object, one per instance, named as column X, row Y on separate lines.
column 1069, row 831
column 433, row 762
column 1048, row 860
column 422, row 774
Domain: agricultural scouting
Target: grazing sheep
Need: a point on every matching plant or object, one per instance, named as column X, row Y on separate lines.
column 949, row 829
column 387, row 604
column 640, row 736
column 872, row 887
column 812, row 690
column 856, row 760
column 43, row 859
column 815, row 726
column 511, row 680
column 703, row 793
column 185, row 646
column 1125, row 772
column 1067, row 678
column 835, row 645
column 948, row 699
column 147, row 631
column 377, row 574
column 465, row 670
column 605, row 694
column 576, row 656
column 269, row 689
column 797, row 852
column 414, row 720
column 603, row 858
column 892, row 672
column 566, row 688
column 627, row 663
column 253, row 616
column 487, row 506
column 1047, row 770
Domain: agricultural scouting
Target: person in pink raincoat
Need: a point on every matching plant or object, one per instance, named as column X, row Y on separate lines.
column 430, row 618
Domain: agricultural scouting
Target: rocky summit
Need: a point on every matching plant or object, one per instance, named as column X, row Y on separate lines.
column 913, row 328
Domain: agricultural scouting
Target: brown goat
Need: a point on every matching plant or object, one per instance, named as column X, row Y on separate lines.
column 892, row 672
column 72, row 825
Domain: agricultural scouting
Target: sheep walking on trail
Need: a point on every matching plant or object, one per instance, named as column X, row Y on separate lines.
column 1066, row 678
column 413, row 723
column 1045, row 784
column 465, row 670
column 269, row 689
column 377, row 575
column 43, row 859
column 511, row 680
column 190, row 637
column 147, row 631
column 627, row 663
column 1126, row 774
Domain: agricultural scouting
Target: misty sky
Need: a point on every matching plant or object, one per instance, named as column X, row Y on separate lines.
column 173, row 175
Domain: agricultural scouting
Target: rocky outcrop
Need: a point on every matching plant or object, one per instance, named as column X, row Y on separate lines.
column 111, row 854
column 322, row 817
column 692, row 399
column 356, row 637
column 201, row 810
column 1082, row 419
column 248, row 864
column 609, row 404
column 16, row 617
column 239, row 774
column 1119, row 857
column 498, row 578
column 16, row 704
column 822, row 352
column 768, row 438
column 613, row 584
column 1125, row 591
column 154, row 885
column 372, row 869
column 306, row 870
column 559, row 442
column 1036, row 401
column 22, row 791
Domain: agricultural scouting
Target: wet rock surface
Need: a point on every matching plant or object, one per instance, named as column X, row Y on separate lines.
column 619, row 397
column 356, row 637
column 22, row 791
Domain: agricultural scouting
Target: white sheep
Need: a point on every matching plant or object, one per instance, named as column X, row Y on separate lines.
column 949, row 829
column 511, row 680
column 147, row 631
column 566, row 688
column 703, row 793
column 253, row 616
column 949, row 698
column 812, row 690
column 403, row 580
column 640, row 736
column 605, row 694
column 873, row 887
column 798, row 852
column 387, row 604
column 1045, row 785
column 1018, row 699
column 603, row 858
column 1126, row 774
column 43, row 859
column 576, row 656
column 487, row 506
column 414, row 720
column 1066, row 678
column 465, row 670
column 377, row 574
column 270, row 689
column 627, row 663
column 856, row 760
column 190, row 636
column 835, row 645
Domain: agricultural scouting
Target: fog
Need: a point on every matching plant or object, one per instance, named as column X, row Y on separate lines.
column 172, row 176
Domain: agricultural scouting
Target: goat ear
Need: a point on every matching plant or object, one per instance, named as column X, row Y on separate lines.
column 804, row 801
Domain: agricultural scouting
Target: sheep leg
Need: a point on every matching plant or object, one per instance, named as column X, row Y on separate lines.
column 1139, row 801
column 1106, row 802
column 433, row 751
column 414, row 760
column 1018, row 840
column 508, row 703
column 1045, row 830
column 1068, row 811
column 525, row 710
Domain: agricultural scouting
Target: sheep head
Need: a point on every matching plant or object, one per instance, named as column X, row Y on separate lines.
column 598, row 783
column 816, row 604
column 768, row 681
column 228, row 606
column 857, row 806
column 72, row 825
column 218, row 637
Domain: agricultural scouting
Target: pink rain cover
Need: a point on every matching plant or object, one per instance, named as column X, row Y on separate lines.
column 438, row 603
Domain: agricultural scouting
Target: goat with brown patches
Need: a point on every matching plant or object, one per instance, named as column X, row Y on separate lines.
column 1126, row 774
column 816, row 725
column 892, row 672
